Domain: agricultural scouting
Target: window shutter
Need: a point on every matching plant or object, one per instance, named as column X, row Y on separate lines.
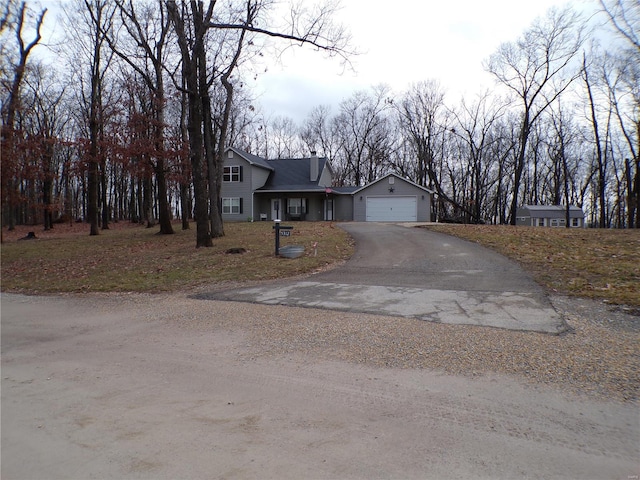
column 240, row 180
column 241, row 197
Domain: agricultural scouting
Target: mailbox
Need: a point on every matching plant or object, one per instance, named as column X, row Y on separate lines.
column 281, row 230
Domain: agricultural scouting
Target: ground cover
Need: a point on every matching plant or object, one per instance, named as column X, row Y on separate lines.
column 133, row 258
column 594, row 263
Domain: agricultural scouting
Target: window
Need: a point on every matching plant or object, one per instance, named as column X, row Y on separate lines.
column 231, row 206
column 541, row 222
column 554, row 222
column 232, row 174
column 295, row 206
column 575, row 222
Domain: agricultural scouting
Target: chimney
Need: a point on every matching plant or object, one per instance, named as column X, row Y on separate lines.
column 314, row 167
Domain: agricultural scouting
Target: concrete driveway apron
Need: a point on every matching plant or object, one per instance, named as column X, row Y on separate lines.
column 414, row 272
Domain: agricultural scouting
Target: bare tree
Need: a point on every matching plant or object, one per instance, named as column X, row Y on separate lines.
column 13, row 101
column 624, row 16
column 475, row 125
column 46, row 126
column 319, row 132
column 147, row 25
column 536, row 69
column 192, row 27
column 422, row 118
column 363, row 125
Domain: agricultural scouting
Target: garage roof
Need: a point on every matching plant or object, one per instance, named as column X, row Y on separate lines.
column 399, row 178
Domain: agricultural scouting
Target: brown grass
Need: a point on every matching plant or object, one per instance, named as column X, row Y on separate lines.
column 593, row 263
column 133, row 258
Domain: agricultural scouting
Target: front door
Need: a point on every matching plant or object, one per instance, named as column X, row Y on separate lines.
column 277, row 208
column 328, row 209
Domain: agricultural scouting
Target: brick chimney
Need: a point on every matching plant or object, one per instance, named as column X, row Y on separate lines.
column 314, row 164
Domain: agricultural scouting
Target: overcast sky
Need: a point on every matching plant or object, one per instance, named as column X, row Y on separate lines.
column 403, row 42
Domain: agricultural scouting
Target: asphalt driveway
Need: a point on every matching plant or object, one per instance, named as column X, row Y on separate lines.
column 414, row 272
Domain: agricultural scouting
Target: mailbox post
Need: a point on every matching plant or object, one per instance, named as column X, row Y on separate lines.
column 280, row 230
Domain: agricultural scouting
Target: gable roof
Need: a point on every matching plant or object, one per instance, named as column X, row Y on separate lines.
column 293, row 174
column 252, row 159
column 428, row 190
column 550, row 211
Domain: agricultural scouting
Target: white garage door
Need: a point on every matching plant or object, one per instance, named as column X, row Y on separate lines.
column 392, row 209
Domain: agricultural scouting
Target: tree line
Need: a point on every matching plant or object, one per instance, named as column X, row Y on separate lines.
column 131, row 121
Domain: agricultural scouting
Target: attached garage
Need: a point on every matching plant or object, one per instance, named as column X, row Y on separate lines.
column 392, row 209
column 392, row 199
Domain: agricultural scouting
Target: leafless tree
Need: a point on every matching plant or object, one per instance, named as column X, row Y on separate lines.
column 537, row 70
column 243, row 18
column 363, row 126
column 475, row 126
column 147, row 26
column 319, row 132
column 12, row 102
column 624, row 16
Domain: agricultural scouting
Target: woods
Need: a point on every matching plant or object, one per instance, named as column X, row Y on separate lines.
column 130, row 118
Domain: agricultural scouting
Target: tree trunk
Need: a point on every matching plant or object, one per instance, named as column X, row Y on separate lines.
column 195, row 120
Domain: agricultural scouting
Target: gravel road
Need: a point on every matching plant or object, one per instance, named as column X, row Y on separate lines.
column 167, row 386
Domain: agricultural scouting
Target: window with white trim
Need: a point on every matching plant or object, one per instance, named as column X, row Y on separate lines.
column 295, row 206
column 575, row 222
column 231, row 206
column 232, row 173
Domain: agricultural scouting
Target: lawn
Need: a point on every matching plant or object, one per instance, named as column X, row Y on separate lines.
column 131, row 258
column 594, row 263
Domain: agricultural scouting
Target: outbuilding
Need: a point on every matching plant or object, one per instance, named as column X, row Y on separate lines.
column 549, row 216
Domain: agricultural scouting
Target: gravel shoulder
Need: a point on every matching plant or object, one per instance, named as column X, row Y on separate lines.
column 165, row 386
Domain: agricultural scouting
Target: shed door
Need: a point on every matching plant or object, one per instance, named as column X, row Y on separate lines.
column 392, row 209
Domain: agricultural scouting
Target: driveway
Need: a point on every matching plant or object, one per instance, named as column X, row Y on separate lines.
column 414, row 272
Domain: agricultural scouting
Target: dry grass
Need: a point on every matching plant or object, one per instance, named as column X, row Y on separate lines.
column 592, row 263
column 133, row 258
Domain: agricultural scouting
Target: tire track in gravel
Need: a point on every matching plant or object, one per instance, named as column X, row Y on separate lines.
column 540, row 424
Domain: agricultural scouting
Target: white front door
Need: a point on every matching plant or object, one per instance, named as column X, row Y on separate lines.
column 277, row 208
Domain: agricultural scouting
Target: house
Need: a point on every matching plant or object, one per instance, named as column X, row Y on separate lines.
column 549, row 216
column 255, row 188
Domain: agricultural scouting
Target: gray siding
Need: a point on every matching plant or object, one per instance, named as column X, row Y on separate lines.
column 400, row 188
column 343, row 208
column 551, row 216
column 325, row 177
column 241, row 189
column 315, row 206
